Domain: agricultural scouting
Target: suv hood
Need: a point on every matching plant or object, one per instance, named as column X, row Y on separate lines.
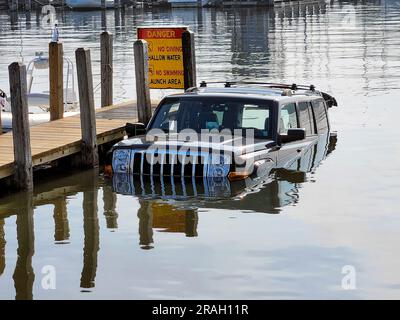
column 237, row 144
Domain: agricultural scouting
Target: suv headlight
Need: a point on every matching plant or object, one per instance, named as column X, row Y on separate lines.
column 218, row 165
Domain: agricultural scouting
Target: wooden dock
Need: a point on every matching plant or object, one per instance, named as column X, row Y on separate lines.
column 27, row 147
column 60, row 138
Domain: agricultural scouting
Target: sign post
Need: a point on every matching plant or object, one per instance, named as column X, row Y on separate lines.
column 166, row 70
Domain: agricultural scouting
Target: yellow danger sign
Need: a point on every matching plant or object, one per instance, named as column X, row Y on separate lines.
column 165, row 56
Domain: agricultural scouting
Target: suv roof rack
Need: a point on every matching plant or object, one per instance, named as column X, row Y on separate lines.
column 292, row 86
column 330, row 100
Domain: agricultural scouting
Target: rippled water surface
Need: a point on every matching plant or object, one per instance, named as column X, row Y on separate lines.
column 289, row 239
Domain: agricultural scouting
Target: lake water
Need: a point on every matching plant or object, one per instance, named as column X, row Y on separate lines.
column 296, row 237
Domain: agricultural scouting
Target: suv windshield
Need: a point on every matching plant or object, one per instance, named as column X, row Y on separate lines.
column 205, row 113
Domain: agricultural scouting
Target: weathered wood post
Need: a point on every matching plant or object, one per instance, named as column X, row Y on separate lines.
column 189, row 59
column 103, row 4
column 90, row 156
column 28, row 19
column 20, row 123
column 123, row 14
column 142, row 80
column 56, row 69
column 106, row 49
column 13, row 5
column 28, row 5
column 117, row 18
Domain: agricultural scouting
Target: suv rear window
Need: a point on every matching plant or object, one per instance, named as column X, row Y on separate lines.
column 320, row 116
column 306, row 117
column 288, row 119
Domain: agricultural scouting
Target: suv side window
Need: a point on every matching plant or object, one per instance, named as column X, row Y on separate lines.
column 306, row 118
column 288, row 118
column 320, row 115
column 169, row 118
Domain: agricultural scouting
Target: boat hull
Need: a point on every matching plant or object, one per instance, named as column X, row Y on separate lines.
column 88, row 4
column 34, row 119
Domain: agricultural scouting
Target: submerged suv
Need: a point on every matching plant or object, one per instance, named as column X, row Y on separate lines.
column 236, row 132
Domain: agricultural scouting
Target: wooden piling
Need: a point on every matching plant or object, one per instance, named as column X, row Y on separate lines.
column 142, row 80
column 117, row 18
column 28, row 5
column 90, row 156
column 20, row 124
column 56, row 68
column 106, row 49
column 189, row 59
column 13, row 5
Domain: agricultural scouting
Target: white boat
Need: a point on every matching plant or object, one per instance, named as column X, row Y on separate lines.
column 39, row 102
column 191, row 3
column 88, row 4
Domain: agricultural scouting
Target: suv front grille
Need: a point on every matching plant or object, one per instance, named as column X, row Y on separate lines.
column 168, row 163
column 139, row 161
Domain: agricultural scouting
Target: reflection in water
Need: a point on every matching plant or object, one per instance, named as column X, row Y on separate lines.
column 117, row 19
column 145, row 216
column 110, row 213
column 91, row 242
column 277, row 189
column 2, row 247
column 23, row 274
column 268, row 194
column 61, row 224
column 283, row 187
column 166, row 217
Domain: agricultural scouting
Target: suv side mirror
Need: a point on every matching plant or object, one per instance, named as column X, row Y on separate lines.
column 135, row 129
column 293, row 135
